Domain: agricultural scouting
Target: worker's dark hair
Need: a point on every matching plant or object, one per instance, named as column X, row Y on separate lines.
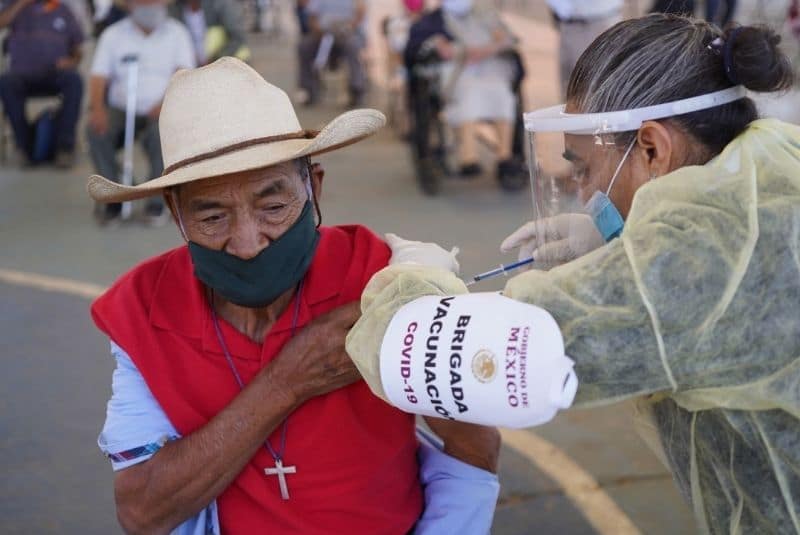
column 661, row 58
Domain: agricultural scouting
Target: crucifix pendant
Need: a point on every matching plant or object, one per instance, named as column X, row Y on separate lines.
column 281, row 472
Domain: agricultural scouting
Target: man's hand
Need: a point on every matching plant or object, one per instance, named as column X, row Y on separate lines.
column 473, row 444
column 98, row 120
column 315, row 362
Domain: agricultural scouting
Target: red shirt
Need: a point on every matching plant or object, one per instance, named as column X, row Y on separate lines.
column 355, row 455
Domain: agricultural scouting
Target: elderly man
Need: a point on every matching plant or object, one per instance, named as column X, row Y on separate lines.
column 159, row 46
column 235, row 407
column 44, row 47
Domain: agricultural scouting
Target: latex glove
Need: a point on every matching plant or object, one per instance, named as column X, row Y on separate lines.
column 567, row 237
column 422, row 253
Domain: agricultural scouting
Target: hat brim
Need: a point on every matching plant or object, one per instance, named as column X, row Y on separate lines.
column 347, row 128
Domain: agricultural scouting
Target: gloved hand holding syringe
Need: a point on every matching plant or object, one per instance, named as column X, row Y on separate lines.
column 430, row 254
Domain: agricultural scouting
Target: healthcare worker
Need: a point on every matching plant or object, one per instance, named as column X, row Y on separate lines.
column 693, row 307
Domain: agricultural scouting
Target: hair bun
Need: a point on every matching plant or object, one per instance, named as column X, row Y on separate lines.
column 754, row 59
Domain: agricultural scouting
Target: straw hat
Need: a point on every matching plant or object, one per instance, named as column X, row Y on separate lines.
column 224, row 118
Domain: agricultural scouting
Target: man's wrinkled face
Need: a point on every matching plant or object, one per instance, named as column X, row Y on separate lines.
column 242, row 213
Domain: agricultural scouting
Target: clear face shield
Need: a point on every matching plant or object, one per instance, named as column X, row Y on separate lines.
column 572, row 176
column 577, row 166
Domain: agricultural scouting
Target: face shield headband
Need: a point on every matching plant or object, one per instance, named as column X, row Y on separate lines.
column 554, row 119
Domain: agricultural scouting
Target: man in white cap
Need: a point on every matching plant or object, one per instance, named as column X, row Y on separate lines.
column 235, row 407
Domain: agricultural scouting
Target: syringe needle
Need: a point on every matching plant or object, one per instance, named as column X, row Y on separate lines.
column 502, row 270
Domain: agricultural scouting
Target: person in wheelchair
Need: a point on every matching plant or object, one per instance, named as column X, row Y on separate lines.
column 478, row 81
column 342, row 21
column 44, row 50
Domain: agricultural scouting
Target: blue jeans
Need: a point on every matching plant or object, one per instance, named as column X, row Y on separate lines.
column 15, row 90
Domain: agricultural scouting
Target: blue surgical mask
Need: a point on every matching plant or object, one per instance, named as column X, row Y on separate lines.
column 605, row 215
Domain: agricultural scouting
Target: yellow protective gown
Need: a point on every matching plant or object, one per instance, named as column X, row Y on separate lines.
column 695, row 307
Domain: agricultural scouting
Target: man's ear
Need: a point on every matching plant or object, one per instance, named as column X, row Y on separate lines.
column 317, row 175
column 655, row 140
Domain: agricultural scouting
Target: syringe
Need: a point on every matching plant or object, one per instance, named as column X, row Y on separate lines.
column 502, row 270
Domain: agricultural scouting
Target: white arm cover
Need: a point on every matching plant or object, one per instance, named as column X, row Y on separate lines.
column 480, row 358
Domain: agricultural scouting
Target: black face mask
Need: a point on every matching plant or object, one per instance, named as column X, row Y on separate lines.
column 260, row 280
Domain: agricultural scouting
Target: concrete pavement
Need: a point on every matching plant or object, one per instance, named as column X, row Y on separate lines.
column 57, row 369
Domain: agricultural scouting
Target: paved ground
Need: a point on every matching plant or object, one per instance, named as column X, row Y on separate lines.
column 588, row 472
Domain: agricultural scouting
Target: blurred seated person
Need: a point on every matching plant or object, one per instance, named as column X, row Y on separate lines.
column 478, row 77
column 162, row 46
column 342, row 20
column 216, row 28
column 44, row 49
